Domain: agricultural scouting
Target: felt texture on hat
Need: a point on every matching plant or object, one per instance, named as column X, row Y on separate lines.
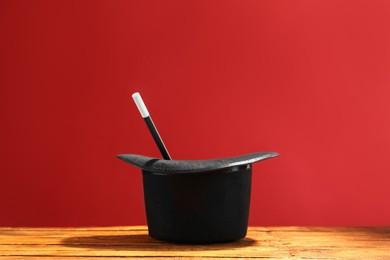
column 161, row 166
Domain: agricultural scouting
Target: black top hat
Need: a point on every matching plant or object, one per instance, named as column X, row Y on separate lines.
column 199, row 201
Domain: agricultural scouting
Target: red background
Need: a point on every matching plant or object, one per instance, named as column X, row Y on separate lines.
column 308, row 79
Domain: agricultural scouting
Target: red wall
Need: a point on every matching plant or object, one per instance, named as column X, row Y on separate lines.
column 308, row 79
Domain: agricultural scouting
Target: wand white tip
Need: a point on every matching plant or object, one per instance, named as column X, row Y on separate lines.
column 140, row 104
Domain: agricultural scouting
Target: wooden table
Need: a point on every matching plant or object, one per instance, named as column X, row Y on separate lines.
column 134, row 242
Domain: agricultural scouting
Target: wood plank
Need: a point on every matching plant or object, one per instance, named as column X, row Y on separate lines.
column 130, row 257
column 261, row 242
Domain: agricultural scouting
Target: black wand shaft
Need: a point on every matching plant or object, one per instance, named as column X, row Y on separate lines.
column 157, row 138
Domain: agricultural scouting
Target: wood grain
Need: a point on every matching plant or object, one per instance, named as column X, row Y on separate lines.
column 134, row 242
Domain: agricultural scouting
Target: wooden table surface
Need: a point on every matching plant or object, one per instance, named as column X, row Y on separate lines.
column 134, row 242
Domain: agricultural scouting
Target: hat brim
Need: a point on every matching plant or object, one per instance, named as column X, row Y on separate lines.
column 161, row 166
